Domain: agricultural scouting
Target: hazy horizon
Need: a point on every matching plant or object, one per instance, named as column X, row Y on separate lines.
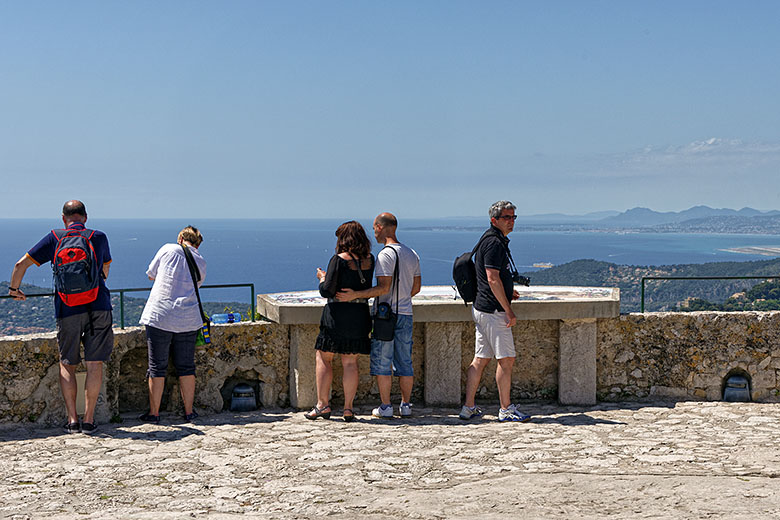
column 56, row 215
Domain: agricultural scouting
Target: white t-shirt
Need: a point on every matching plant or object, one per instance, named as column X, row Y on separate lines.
column 408, row 269
column 172, row 304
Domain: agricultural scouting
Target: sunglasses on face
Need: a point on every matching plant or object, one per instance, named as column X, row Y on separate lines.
column 508, row 217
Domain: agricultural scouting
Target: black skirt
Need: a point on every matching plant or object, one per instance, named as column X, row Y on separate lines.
column 345, row 328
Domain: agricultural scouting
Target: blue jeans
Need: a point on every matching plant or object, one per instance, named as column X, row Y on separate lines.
column 394, row 357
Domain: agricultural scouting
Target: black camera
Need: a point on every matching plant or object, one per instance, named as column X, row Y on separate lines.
column 521, row 280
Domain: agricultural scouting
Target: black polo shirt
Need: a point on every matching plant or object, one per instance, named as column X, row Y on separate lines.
column 492, row 253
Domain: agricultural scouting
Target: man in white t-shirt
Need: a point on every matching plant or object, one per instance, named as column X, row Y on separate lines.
column 392, row 357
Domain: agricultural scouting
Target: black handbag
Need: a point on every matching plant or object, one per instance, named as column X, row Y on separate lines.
column 384, row 317
column 204, row 334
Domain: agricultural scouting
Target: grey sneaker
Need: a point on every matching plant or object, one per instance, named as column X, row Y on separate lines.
column 383, row 411
column 512, row 414
column 467, row 413
column 405, row 410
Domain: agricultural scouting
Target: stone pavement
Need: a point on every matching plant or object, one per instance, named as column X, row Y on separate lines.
column 624, row 460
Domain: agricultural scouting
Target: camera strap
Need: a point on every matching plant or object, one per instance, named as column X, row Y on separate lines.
column 511, row 260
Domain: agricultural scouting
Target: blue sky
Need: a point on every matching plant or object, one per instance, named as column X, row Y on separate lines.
column 344, row 109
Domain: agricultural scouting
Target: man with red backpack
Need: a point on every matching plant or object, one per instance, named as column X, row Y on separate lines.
column 80, row 260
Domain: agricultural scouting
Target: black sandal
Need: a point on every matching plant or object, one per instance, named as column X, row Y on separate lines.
column 350, row 417
column 316, row 412
column 147, row 417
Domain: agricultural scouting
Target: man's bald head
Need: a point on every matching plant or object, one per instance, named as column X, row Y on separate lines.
column 74, row 211
column 387, row 220
column 384, row 227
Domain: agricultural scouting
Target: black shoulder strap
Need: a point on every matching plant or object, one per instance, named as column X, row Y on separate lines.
column 195, row 274
column 359, row 270
column 484, row 236
column 506, row 248
column 59, row 234
column 395, row 275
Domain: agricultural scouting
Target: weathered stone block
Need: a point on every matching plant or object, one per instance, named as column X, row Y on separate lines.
column 19, row 389
column 443, row 352
column 577, row 362
column 668, row 392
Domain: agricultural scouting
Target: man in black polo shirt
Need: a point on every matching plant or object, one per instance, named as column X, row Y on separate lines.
column 492, row 313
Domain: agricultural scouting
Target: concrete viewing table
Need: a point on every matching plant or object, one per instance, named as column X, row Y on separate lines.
column 576, row 309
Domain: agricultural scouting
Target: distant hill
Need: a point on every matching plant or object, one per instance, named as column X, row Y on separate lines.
column 698, row 219
column 762, row 297
column 559, row 218
column 759, row 224
column 642, row 217
column 659, row 295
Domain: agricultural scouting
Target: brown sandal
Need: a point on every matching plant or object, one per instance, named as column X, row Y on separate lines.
column 316, row 412
column 350, row 417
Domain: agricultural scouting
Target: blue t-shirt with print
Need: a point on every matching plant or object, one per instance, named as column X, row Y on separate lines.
column 43, row 252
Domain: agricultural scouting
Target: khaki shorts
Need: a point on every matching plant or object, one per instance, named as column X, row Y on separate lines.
column 98, row 339
column 493, row 337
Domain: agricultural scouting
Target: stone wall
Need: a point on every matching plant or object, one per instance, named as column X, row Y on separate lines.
column 687, row 355
column 535, row 374
column 639, row 356
column 29, row 379
column 254, row 353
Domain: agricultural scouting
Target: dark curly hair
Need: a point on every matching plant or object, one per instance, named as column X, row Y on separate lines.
column 352, row 239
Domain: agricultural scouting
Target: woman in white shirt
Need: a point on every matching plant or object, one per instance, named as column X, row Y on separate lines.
column 172, row 319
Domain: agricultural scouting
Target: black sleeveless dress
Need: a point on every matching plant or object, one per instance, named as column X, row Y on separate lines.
column 345, row 326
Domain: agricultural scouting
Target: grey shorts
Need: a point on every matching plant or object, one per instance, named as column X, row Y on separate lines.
column 98, row 339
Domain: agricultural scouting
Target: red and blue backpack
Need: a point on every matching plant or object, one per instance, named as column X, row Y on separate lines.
column 75, row 267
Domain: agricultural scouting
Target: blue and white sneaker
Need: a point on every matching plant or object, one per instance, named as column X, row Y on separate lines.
column 512, row 414
column 467, row 413
column 384, row 411
column 405, row 410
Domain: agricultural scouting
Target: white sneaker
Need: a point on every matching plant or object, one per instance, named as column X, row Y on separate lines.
column 467, row 413
column 405, row 410
column 383, row 412
column 512, row 414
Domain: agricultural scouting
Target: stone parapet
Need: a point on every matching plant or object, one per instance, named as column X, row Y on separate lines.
column 441, row 312
column 688, row 355
column 257, row 353
column 677, row 356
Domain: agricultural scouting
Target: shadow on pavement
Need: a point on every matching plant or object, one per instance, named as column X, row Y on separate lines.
column 579, row 419
column 170, row 428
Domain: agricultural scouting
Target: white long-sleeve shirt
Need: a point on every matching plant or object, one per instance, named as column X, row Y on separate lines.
column 172, row 304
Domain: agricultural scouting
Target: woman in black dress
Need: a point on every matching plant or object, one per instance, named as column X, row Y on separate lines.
column 344, row 326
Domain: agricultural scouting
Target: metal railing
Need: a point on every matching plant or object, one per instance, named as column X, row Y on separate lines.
column 147, row 289
column 216, row 286
column 642, row 306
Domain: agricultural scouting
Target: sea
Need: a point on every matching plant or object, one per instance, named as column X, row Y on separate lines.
column 281, row 255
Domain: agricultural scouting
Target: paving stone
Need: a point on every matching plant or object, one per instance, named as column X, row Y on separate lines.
column 674, row 460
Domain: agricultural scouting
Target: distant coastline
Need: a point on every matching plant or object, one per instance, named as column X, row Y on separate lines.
column 755, row 250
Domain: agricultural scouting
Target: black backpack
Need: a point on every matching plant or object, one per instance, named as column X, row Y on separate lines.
column 464, row 273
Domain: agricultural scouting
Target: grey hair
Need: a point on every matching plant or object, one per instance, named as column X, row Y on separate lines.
column 497, row 207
